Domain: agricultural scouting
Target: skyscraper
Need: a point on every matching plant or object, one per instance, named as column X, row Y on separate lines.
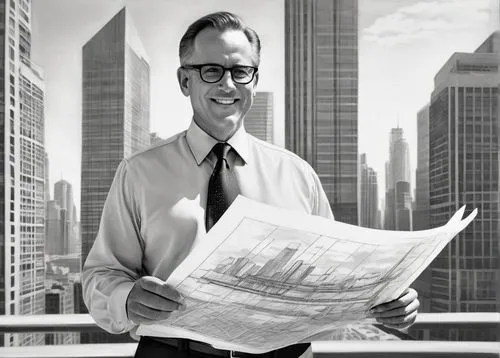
column 464, row 169
column 22, row 171
column 55, row 229
column 259, row 119
column 321, row 95
column 421, row 214
column 369, row 215
column 398, row 197
column 115, row 113
column 63, row 196
column 115, row 123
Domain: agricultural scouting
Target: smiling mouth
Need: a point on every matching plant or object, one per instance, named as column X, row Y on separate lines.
column 224, row 101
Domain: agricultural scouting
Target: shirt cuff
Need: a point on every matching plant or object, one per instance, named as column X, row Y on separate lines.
column 118, row 307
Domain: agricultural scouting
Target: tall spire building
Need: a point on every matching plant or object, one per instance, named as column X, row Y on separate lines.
column 22, row 171
column 321, row 95
column 115, row 113
column 398, row 212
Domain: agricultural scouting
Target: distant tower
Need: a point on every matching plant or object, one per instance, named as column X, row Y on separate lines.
column 321, row 95
column 259, row 119
column 369, row 195
column 154, row 138
column 398, row 212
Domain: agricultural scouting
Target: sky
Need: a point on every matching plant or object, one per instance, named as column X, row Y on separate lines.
column 402, row 45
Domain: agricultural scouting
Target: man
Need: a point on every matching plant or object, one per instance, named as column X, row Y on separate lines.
column 164, row 199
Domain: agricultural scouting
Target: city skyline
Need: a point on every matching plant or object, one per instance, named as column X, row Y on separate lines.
column 414, row 61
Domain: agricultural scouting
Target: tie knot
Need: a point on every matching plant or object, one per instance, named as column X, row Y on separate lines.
column 221, row 150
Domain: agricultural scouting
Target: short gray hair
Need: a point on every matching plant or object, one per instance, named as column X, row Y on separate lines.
column 220, row 21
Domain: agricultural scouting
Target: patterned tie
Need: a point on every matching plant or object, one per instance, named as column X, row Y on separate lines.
column 222, row 187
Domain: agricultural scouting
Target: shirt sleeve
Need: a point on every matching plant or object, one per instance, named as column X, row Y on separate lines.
column 114, row 262
column 320, row 203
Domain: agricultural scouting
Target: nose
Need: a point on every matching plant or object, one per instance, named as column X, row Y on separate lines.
column 226, row 82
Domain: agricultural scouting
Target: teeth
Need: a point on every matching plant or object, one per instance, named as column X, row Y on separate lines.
column 224, row 100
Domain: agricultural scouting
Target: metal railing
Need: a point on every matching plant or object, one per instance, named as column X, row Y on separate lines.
column 321, row 349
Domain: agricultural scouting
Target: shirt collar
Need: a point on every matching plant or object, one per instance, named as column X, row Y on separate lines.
column 202, row 143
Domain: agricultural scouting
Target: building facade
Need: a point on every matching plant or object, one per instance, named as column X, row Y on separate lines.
column 421, row 213
column 321, row 95
column 22, row 172
column 115, row 124
column 464, row 170
column 115, row 113
column 259, row 119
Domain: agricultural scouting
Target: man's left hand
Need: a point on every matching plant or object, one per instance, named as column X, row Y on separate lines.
column 400, row 313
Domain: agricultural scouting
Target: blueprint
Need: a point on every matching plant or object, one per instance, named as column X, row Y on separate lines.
column 265, row 277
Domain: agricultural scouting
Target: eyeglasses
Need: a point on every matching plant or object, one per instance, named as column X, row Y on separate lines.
column 211, row 73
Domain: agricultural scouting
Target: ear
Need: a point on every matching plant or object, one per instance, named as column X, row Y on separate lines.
column 183, row 79
column 256, row 79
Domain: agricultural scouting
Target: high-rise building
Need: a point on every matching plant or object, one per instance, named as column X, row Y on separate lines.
column 56, row 242
column 464, row 170
column 22, row 173
column 398, row 209
column 259, row 119
column 115, row 113
column 63, row 196
column 115, row 122
column 421, row 212
column 321, row 95
column 369, row 213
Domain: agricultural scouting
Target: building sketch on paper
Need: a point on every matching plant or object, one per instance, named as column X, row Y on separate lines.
column 276, row 275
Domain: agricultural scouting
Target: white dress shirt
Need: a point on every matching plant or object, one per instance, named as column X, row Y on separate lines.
column 155, row 211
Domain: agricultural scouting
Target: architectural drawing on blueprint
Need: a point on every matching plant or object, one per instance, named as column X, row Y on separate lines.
column 266, row 277
column 276, row 275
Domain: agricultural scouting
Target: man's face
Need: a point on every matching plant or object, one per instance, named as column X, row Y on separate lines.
column 219, row 108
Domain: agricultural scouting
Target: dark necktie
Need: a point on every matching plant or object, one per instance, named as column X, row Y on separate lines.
column 222, row 187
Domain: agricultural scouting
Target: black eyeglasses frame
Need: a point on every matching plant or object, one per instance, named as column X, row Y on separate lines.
column 230, row 69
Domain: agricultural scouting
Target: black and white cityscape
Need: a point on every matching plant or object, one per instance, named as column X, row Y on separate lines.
column 47, row 228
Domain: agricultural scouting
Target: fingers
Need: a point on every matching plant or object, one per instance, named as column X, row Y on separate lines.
column 147, row 313
column 152, row 300
column 399, row 322
column 160, row 288
column 399, row 313
column 406, row 298
column 157, row 302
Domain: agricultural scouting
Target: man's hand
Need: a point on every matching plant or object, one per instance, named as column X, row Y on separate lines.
column 400, row 313
column 151, row 299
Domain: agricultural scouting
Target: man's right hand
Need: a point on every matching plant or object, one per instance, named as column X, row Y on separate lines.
column 151, row 300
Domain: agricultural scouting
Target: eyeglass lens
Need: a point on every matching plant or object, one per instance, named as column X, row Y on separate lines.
column 241, row 74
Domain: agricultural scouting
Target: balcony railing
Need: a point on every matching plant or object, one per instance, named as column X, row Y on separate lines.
column 322, row 349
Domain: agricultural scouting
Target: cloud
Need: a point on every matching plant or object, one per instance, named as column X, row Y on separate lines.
column 426, row 19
